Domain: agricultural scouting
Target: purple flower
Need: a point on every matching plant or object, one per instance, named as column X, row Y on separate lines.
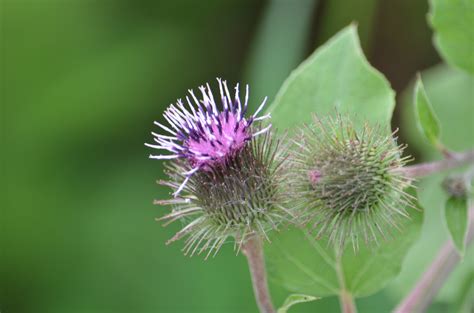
column 204, row 134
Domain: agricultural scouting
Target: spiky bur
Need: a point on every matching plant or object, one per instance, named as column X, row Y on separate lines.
column 346, row 181
column 225, row 170
column 237, row 198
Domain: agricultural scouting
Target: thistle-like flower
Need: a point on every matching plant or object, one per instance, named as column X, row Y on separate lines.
column 347, row 181
column 205, row 135
column 226, row 168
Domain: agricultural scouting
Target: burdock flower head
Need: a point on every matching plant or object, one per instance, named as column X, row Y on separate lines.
column 347, row 181
column 225, row 170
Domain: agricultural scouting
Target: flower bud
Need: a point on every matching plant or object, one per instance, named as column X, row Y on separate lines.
column 225, row 169
column 346, row 180
column 239, row 198
column 456, row 186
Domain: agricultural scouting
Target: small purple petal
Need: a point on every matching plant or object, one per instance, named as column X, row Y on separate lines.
column 205, row 134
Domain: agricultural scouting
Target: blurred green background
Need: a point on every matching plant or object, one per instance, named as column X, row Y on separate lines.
column 82, row 82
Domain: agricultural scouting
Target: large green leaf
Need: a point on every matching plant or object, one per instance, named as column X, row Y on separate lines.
column 453, row 22
column 335, row 77
column 305, row 265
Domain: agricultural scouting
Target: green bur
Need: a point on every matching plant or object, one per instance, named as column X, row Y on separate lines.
column 241, row 197
column 348, row 183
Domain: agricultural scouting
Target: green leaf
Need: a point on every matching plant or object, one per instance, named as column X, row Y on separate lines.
column 426, row 118
column 456, row 219
column 450, row 93
column 453, row 23
column 295, row 299
column 465, row 300
column 302, row 264
column 338, row 77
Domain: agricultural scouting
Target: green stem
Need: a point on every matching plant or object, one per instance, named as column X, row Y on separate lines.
column 346, row 299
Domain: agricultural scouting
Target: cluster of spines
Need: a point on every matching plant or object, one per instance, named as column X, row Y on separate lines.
column 238, row 198
column 347, row 181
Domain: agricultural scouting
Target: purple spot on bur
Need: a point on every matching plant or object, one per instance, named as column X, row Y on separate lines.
column 314, row 177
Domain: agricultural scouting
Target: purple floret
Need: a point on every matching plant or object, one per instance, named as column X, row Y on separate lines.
column 205, row 134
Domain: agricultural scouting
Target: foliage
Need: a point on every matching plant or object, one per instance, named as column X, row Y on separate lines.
column 426, row 119
column 294, row 299
column 456, row 213
column 445, row 86
column 302, row 264
column 452, row 21
column 337, row 76
column 82, row 81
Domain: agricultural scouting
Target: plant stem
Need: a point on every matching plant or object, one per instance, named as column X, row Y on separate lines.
column 433, row 279
column 345, row 297
column 347, row 302
column 253, row 250
column 451, row 161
